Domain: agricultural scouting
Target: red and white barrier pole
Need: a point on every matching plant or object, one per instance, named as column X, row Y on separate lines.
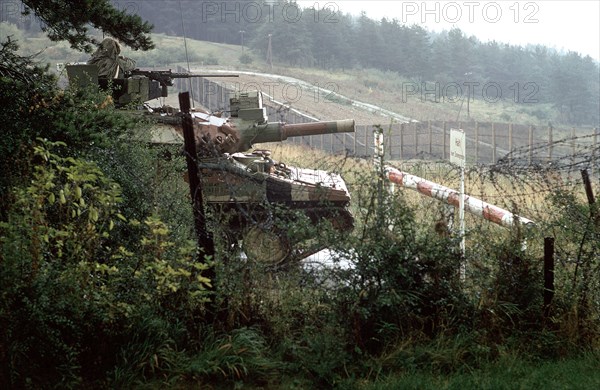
column 472, row 205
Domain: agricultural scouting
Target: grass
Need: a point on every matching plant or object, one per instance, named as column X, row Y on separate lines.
column 508, row 373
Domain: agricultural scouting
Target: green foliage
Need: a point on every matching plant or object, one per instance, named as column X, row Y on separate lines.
column 69, row 20
column 230, row 358
column 64, row 278
column 508, row 372
column 210, row 59
column 246, row 59
column 404, row 281
column 318, row 355
column 576, row 308
column 33, row 107
column 165, row 56
column 22, row 87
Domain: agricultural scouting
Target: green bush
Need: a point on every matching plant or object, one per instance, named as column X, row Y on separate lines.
column 210, row 59
column 237, row 356
column 63, row 278
column 246, row 59
column 33, row 107
column 404, row 280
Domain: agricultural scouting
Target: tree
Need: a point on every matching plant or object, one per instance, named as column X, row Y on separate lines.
column 70, row 20
column 369, row 42
column 460, row 49
column 419, row 52
column 575, row 87
column 291, row 39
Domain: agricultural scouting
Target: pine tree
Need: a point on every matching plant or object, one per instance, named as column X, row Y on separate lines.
column 70, row 20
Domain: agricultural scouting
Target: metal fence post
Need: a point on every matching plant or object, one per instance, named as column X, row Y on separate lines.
column 548, row 274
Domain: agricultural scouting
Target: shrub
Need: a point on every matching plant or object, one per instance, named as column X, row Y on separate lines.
column 63, row 278
column 246, row 59
column 210, row 59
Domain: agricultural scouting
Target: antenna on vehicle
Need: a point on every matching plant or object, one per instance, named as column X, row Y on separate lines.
column 186, row 53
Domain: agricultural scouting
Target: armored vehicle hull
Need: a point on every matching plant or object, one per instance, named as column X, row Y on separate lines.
column 257, row 200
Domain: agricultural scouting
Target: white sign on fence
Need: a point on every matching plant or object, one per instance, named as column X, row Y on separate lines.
column 458, row 155
column 458, row 150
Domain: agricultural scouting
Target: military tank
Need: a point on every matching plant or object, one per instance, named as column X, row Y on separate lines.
column 253, row 198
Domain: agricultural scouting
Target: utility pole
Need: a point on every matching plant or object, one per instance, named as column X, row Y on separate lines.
column 270, row 53
column 242, row 34
column 468, row 93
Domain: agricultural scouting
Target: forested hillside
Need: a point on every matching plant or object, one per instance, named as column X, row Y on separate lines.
column 334, row 40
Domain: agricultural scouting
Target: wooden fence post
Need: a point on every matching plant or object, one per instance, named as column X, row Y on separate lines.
column 331, row 142
column 355, row 138
column 530, row 144
column 548, row 274
column 416, row 139
column 572, row 145
column 197, row 93
column 510, row 141
column 207, row 95
column 366, row 141
column 430, row 137
column 550, row 143
column 389, row 141
column 476, row 142
column 223, row 98
column 444, row 142
column 204, row 236
column 594, row 148
column 402, row 141
column 589, row 192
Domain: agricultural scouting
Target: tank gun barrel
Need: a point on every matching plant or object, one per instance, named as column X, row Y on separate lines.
column 315, row 128
column 277, row 131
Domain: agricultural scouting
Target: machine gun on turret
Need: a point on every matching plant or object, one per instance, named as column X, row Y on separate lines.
column 138, row 85
column 165, row 77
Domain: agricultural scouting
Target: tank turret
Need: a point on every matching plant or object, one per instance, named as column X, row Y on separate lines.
column 248, row 125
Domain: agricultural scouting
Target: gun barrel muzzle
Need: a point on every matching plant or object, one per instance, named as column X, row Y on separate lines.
column 315, row 128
